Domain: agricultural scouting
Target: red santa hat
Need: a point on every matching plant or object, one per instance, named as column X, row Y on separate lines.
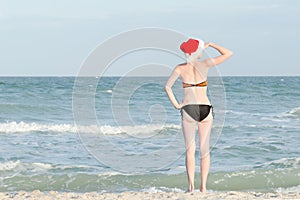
column 190, row 46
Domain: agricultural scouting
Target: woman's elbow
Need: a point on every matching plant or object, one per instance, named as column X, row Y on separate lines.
column 167, row 89
column 230, row 53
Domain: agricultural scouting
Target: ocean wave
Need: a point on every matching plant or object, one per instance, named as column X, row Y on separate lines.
column 142, row 130
column 288, row 189
column 9, row 165
column 239, row 113
column 282, row 163
column 23, row 167
column 268, row 126
column 294, row 112
column 79, row 179
column 276, row 117
column 285, row 116
column 22, row 127
column 10, row 168
column 163, row 189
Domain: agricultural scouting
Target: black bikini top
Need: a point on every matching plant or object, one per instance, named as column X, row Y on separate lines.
column 202, row 84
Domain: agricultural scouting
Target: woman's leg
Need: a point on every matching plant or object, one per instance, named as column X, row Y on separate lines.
column 189, row 129
column 204, row 128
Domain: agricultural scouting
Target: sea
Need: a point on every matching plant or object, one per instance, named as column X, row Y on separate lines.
column 115, row 134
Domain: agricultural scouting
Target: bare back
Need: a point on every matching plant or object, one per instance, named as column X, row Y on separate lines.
column 193, row 74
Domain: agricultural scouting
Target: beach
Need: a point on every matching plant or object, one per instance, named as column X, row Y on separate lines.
column 146, row 195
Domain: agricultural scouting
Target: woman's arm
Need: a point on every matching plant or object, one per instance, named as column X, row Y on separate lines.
column 168, row 87
column 225, row 54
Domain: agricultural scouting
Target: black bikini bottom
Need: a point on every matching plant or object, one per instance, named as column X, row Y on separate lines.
column 197, row 111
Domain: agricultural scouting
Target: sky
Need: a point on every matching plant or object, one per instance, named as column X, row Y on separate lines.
column 54, row 37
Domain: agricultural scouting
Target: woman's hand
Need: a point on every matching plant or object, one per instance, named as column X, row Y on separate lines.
column 206, row 45
column 225, row 53
column 179, row 106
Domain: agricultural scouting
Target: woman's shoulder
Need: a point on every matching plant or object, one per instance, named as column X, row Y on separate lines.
column 180, row 67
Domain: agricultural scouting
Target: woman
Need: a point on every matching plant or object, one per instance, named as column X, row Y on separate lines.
column 195, row 107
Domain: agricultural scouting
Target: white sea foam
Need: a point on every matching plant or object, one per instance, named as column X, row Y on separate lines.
column 42, row 166
column 289, row 189
column 275, row 119
column 138, row 129
column 13, row 165
column 5, row 166
column 278, row 117
column 294, row 111
column 112, row 173
column 236, row 112
column 22, row 127
column 284, row 117
column 19, row 166
column 14, row 127
column 283, row 162
column 162, row 189
column 239, row 113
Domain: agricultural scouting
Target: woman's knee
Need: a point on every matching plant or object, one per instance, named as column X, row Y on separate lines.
column 204, row 150
column 190, row 148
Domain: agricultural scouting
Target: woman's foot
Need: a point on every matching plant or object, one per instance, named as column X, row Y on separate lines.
column 202, row 189
column 190, row 191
